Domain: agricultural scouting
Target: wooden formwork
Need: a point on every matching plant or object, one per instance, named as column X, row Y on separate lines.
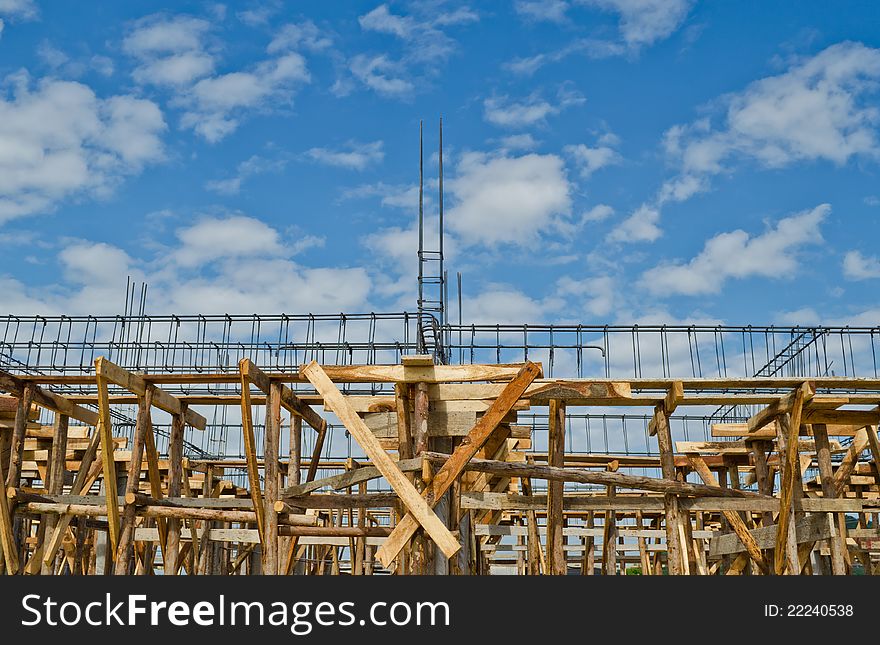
column 464, row 489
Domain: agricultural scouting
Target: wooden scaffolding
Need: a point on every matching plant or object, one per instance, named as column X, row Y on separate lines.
column 449, row 483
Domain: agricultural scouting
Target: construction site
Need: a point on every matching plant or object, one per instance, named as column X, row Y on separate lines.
column 405, row 443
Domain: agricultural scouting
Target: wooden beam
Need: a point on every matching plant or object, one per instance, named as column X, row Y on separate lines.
column 291, row 402
column 47, row 399
column 455, row 465
column 398, row 481
column 419, row 374
column 349, row 478
column 803, row 393
column 135, row 383
column 673, row 398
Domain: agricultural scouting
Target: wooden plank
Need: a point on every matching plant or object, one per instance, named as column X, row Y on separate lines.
column 135, row 383
column 398, row 481
column 426, row 374
column 455, row 465
column 578, row 392
column 811, row 528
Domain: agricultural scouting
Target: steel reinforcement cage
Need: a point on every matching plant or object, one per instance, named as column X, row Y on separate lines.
column 68, row 345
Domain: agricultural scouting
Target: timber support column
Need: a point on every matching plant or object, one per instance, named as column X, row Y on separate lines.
column 171, row 554
column 670, row 501
column 556, row 563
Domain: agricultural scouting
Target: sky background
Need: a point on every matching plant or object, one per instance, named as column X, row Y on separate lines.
column 606, row 161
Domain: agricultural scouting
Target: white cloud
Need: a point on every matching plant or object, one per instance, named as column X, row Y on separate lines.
column 231, row 237
column 643, row 22
column 542, row 10
column 250, row 167
column 861, row 267
column 172, row 52
column 354, row 155
column 598, row 213
column 504, row 304
column 424, row 44
column 218, row 265
column 772, row 254
column 304, row 35
column 19, row 9
column 215, row 105
column 817, row 110
column 640, row 226
column 404, row 196
column 593, row 48
column 590, row 159
column 59, row 140
column 381, row 74
column 595, row 296
column 501, row 199
column 524, row 141
column 506, row 113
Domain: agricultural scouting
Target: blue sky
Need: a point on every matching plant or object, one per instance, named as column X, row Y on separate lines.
column 606, row 161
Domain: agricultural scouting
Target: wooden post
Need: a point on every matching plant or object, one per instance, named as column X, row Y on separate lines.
column 123, row 551
column 55, row 481
column 609, row 533
column 270, row 476
column 294, row 464
column 556, row 563
column 826, row 474
column 13, row 477
column 171, row 552
column 420, row 560
column 105, row 431
column 250, row 450
column 667, row 465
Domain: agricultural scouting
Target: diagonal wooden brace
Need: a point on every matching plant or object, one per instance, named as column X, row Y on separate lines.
column 458, row 460
column 368, row 441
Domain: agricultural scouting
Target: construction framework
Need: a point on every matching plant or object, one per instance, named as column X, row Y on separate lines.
column 451, row 469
